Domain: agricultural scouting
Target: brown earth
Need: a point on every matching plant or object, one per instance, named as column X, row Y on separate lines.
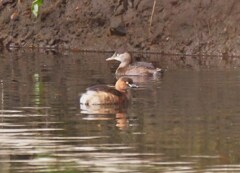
column 178, row 26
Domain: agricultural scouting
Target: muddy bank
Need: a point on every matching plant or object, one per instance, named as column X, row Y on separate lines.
column 186, row 27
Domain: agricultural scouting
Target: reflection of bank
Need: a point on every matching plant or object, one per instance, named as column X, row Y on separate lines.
column 4, row 166
column 2, row 95
column 37, row 90
column 105, row 112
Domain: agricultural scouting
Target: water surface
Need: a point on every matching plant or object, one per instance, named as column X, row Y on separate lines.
column 186, row 121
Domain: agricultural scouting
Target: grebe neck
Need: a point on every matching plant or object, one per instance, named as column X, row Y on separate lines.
column 123, row 64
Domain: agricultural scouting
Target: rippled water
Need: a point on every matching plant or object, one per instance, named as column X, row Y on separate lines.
column 184, row 122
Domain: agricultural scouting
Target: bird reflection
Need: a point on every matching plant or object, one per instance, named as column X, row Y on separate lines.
column 104, row 112
column 141, row 80
column 122, row 121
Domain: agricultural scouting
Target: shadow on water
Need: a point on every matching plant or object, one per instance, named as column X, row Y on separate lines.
column 185, row 121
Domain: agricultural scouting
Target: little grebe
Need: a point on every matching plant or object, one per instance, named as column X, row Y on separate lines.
column 134, row 69
column 104, row 94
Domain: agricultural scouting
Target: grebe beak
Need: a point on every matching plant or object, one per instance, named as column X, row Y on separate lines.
column 113, row 57
column 133, row 86
column 110, row 58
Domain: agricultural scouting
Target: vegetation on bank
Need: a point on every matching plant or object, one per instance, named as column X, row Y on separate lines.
column 36, row 4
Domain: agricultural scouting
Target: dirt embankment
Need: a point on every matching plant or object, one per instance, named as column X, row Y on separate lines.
column 178, row 26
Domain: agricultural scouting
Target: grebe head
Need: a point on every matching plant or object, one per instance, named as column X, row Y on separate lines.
column 123, row 83
column 123, row 57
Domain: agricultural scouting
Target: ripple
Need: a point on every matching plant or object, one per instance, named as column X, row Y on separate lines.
column 10, row 125
column 202, row 156
column 224, row 168
column 34, row 108
column 10, row 111
column 99, row 118
column 28, row 130
column 75, row 138
column 173, row 163
column 23, row 115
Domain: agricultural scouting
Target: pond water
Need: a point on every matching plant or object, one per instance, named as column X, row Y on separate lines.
column 184, row 122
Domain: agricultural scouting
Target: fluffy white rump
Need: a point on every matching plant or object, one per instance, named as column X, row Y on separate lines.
column 98, row 98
